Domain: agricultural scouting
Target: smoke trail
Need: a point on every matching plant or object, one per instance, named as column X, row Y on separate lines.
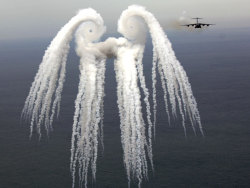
column 48, row 83
column 183, row 19
column 178, row 87
column 132, row 125
column 88, row 105
column 175, row 84
column 137, row 144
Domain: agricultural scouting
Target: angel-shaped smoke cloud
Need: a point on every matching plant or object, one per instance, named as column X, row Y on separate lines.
column 43, row 101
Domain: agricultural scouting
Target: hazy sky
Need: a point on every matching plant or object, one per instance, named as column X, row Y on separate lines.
column 20, row 19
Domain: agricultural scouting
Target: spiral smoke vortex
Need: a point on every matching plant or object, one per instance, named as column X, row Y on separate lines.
column 173, row 77
column 49, row 80
column 44, row 97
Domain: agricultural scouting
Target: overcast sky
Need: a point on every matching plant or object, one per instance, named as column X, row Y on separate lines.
column 21, row 19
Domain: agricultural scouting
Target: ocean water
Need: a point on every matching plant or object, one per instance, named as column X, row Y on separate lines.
column 217, row 63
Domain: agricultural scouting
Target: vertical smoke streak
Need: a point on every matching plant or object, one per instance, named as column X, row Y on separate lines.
column 141, row 77
column 87, row 117
column 154, row 81
column 133, row 136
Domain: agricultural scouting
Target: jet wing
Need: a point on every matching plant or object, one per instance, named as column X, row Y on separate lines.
column 189, row 25
column 205, row 24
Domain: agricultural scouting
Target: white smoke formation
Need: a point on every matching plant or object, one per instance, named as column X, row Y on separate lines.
column 89, row 103
column 45, row 93
column 136, row 136
column 44, row 97
column 177, row 90
column 133, row 136
column 174, row 79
